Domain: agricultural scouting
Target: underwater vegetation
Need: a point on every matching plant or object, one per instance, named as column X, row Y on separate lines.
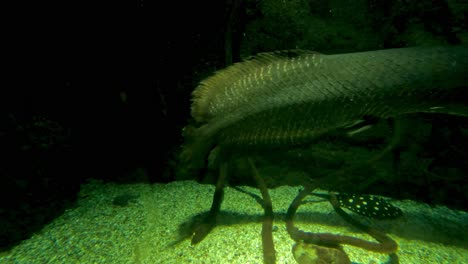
column 279, row 100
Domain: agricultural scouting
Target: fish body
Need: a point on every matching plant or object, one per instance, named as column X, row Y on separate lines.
column 294, row 97
column 367, row 205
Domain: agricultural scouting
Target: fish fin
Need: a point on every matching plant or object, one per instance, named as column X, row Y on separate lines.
column 206, row 90
column 194, row 152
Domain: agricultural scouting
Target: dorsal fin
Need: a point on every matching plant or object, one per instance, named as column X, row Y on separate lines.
column 205, row 91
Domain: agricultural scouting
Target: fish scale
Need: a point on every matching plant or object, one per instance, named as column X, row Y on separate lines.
column 297, row 96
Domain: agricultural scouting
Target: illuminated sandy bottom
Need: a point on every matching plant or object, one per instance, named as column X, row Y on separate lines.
column 146, row 230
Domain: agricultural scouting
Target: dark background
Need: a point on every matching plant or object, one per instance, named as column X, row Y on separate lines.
column 99, row 90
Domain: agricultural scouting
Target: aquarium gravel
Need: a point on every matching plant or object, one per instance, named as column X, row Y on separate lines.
column 147, row 228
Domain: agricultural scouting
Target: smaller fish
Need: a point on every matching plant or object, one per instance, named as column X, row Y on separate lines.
column 366, row 205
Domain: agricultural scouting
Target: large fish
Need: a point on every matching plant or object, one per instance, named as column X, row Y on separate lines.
column 292, row 97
